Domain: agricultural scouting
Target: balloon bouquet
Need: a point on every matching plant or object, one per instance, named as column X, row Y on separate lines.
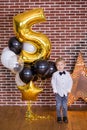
column 27, row 56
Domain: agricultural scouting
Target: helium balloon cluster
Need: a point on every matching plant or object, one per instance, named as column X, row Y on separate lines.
column 28, row 52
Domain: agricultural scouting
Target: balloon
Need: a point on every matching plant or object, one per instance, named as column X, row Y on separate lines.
column 26, row 74
column 15, row 64
column 6, row 56
column 35, row 76
column 40, row 44
column 15, row 45
column 28, row 47
column 18, row 80
column 52, row 68
column 19, row 65
column 12, row 62
column 17, row 68
column 30, row 91
column 41, row 67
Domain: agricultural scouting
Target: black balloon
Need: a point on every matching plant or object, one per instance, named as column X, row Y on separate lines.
column 41, row 67
column 52, row 68
column 26, row 74
column 15, row 45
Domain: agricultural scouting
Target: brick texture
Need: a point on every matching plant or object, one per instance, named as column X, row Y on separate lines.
column 65, row 26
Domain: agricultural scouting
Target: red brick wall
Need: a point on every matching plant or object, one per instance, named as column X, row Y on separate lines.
column 66, row 27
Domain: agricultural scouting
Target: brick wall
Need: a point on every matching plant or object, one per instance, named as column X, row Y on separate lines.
column 66, row 27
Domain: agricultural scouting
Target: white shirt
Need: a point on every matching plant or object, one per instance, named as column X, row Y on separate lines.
column 61, row 84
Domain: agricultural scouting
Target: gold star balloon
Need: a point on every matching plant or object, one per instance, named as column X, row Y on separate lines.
column 79, row 89
column 30, row 91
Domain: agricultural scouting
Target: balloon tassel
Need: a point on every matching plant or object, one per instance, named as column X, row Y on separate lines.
column 29, row 113
column 31, row 116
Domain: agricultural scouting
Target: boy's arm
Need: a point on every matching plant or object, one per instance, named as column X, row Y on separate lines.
column 53, row 83
column 70, row 83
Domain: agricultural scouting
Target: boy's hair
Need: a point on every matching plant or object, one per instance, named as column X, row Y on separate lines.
column 59, row 59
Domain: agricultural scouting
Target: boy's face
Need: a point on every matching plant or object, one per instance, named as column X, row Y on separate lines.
column 60, row 65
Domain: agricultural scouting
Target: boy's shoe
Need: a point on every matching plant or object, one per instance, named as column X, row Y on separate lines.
column 59, row 119
column 65, row 119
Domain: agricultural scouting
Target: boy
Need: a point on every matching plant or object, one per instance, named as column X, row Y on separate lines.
column 61, row 84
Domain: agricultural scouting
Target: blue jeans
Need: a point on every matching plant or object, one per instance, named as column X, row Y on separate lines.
column 61, row 105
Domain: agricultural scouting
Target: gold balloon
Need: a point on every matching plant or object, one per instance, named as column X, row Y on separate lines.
column 22, row 27
column 29, row 91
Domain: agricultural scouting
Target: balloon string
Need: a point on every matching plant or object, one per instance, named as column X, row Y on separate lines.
column 29, row 105
column 32, row 116
column 42, row 82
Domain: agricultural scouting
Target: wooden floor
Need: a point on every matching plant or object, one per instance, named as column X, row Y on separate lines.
column 13, row 118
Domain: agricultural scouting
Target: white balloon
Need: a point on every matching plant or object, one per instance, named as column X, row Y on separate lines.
column 29, row 47
column 18, row 81
column 6, row 56
column 12, row 62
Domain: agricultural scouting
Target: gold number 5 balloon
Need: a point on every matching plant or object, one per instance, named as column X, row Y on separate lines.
column 39, row 43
